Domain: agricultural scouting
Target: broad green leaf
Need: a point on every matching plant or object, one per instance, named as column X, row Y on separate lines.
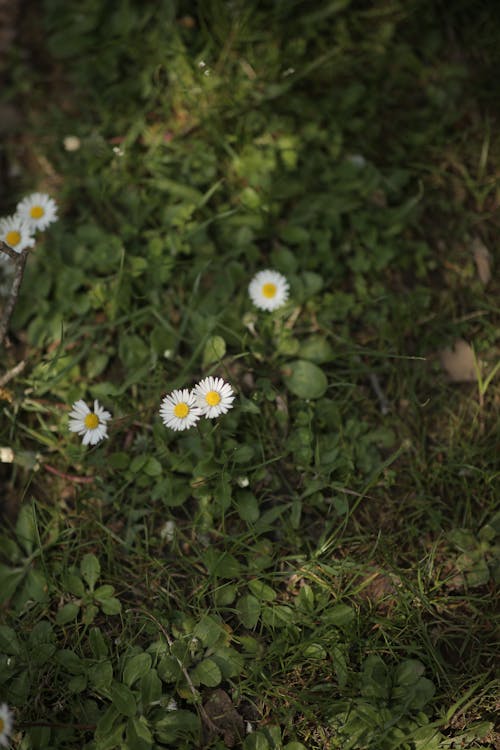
column 78, row 683
column 314, row 651
column 339, row 615
column 261, row 590
column 150, row 687
column 214, row 350
column 10, row 578
column 209, row 631
column 26, row 531
column 136, row 667
column 304, row 379
column 169, row 669
column 138, row 733
column 101, row 675
column 89, row 614
column 90, row 569
column 67, row 613
column 111, row 606
column 98, row 643
column 277, row 616
column 9, row 643
column 206, row 673
column 408, row 672
column 73, row 584
column 221, row 564
column 69, row 661
column 123, row 699
column 317, row 349
column 229, row 661
column 247, row 506
column 104, row 592
column 256, row 741
column 175, row 724
column 248, row 609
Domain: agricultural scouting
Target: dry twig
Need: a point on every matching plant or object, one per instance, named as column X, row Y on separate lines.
column 20, row 262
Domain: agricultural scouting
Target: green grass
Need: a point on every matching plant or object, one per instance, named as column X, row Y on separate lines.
column 311, row 565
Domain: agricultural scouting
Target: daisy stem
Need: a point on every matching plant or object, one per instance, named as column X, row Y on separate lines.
column 20, row 263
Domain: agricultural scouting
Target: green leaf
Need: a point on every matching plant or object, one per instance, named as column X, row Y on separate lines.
column 176, row 724
column 229, row 661
column 101, row 675
column 209, row 631
column 256, row 741
column 97, row 643
column 305, row 379
column 206, row 673
column 139, row 735
column 214, row 350
column 169, row 669
column 26, row 531
column 247, row 506
column 111, row 606
column 90, row 569
column 104, row 592
column 136, row 667
column 151, row 688
column 67, row 613
column 73, row 584
column 9, row 581
column 9, row 643
column 123, row 699
column 248, row 609
column 90, row 612
column 340, row 615
column 78, row 683
column 408, row 672
column 152, row 467
column 277, row 616
column 294, row 746
column 69, row 661
column 317, row 349
column 221, row 564
column 261, row 590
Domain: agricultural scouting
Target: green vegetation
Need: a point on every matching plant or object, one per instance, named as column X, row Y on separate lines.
column 319, row 564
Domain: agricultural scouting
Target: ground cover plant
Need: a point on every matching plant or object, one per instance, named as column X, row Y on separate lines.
column 312, row 563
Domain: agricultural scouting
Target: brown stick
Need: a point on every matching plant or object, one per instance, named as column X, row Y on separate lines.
column 20, row 262
column 69, row 477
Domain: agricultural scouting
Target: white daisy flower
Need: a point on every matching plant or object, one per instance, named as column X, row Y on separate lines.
column 38, row 210
column 179, row 410
column 6, row 724
column 91, row 424
column 16, row 233
column 268, row 290
column 213, row 396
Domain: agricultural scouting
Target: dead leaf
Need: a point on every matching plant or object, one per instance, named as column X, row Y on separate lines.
column 482, row 259
column 459, row 362
column 225, row 718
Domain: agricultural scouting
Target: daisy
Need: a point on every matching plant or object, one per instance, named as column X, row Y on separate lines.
column 268, row 290
column 179, row 410
column 5, row 724
column 38, row 210
column 90, row 424
column 213, row 396
column 16, row 233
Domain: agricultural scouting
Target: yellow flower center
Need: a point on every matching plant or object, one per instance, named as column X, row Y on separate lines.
column 181, row 410
column 2, row 725
column 13, row 238
column 36, row 212
column 212, row 398
column 269, row 290
column 91, row 421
